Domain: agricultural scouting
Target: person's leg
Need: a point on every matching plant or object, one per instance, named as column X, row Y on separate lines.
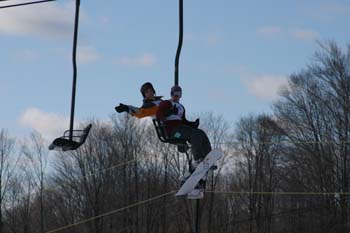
column 201, row 143
column 206, row 146
column 200, row 146
column 198, row 139
column 182, row 132
column 194, row 138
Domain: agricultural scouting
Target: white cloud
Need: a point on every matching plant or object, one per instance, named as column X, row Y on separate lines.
column 50, row 20
column 265, row 86
column 49, row 125
column 304, row 34
column 87, row 54
column 144, row 60
column 270, row 30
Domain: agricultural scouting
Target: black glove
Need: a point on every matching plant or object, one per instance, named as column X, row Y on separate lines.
column 195, row 124
column 122, row 108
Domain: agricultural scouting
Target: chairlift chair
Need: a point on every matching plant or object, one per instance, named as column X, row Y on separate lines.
column 71, row 142
column 72, row 139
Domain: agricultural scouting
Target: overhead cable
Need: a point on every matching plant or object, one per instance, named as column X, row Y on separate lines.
column 25, row 4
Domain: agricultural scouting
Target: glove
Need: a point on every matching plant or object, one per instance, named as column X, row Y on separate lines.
column 122, row 108
column 196, row 123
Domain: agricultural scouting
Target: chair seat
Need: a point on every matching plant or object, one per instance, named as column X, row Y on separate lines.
column 176, row 141
column 64, row 144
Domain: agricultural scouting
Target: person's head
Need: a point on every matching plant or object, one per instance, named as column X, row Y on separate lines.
column 176, row 93
column 147, row 90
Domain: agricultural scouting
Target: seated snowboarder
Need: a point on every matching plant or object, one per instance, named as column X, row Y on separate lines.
column 179, row 127
column 149, row 106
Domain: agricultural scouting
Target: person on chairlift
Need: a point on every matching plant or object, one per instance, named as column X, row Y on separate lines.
column 150, row 103
column 179, row 127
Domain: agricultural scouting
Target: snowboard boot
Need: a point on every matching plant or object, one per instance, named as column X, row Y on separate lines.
column 214, row 167
column 196, row 194
column 198, row 191
column 195, row 163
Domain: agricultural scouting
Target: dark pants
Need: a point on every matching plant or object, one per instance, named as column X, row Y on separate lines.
column 200, row 144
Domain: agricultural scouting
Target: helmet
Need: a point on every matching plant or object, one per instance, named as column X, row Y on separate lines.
column 176, row 90
column 145, row 87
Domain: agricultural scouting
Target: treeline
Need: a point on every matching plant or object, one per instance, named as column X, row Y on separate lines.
column 287, row 172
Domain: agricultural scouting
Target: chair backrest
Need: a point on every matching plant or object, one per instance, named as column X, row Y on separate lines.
column 86, row 132
column 163, row 135
column 64, row 143
column 80, row 135
column 161, row 131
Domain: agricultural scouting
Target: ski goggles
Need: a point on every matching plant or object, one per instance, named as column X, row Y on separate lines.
column 176, row 93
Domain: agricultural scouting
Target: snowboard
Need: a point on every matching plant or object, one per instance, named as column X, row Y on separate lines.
column 201, row 171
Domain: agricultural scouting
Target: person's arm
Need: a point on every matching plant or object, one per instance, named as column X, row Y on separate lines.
column 164, row 107
column 146, row 112
column 126, row 108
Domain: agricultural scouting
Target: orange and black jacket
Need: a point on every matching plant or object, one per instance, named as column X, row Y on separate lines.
column 148, row 108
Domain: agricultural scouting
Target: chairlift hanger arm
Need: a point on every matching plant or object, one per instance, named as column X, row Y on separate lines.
column 161, row 129
column 74, row 60
column 179, row 46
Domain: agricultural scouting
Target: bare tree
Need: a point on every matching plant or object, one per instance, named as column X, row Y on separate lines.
column 36, row 154
column 8, row 163
column 315, row 111
column 259, row 153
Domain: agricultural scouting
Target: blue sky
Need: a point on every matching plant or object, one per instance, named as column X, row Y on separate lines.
column 236, row 54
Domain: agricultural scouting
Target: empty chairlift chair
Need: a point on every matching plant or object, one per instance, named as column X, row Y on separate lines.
column 66, row 142
column 72, row 139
